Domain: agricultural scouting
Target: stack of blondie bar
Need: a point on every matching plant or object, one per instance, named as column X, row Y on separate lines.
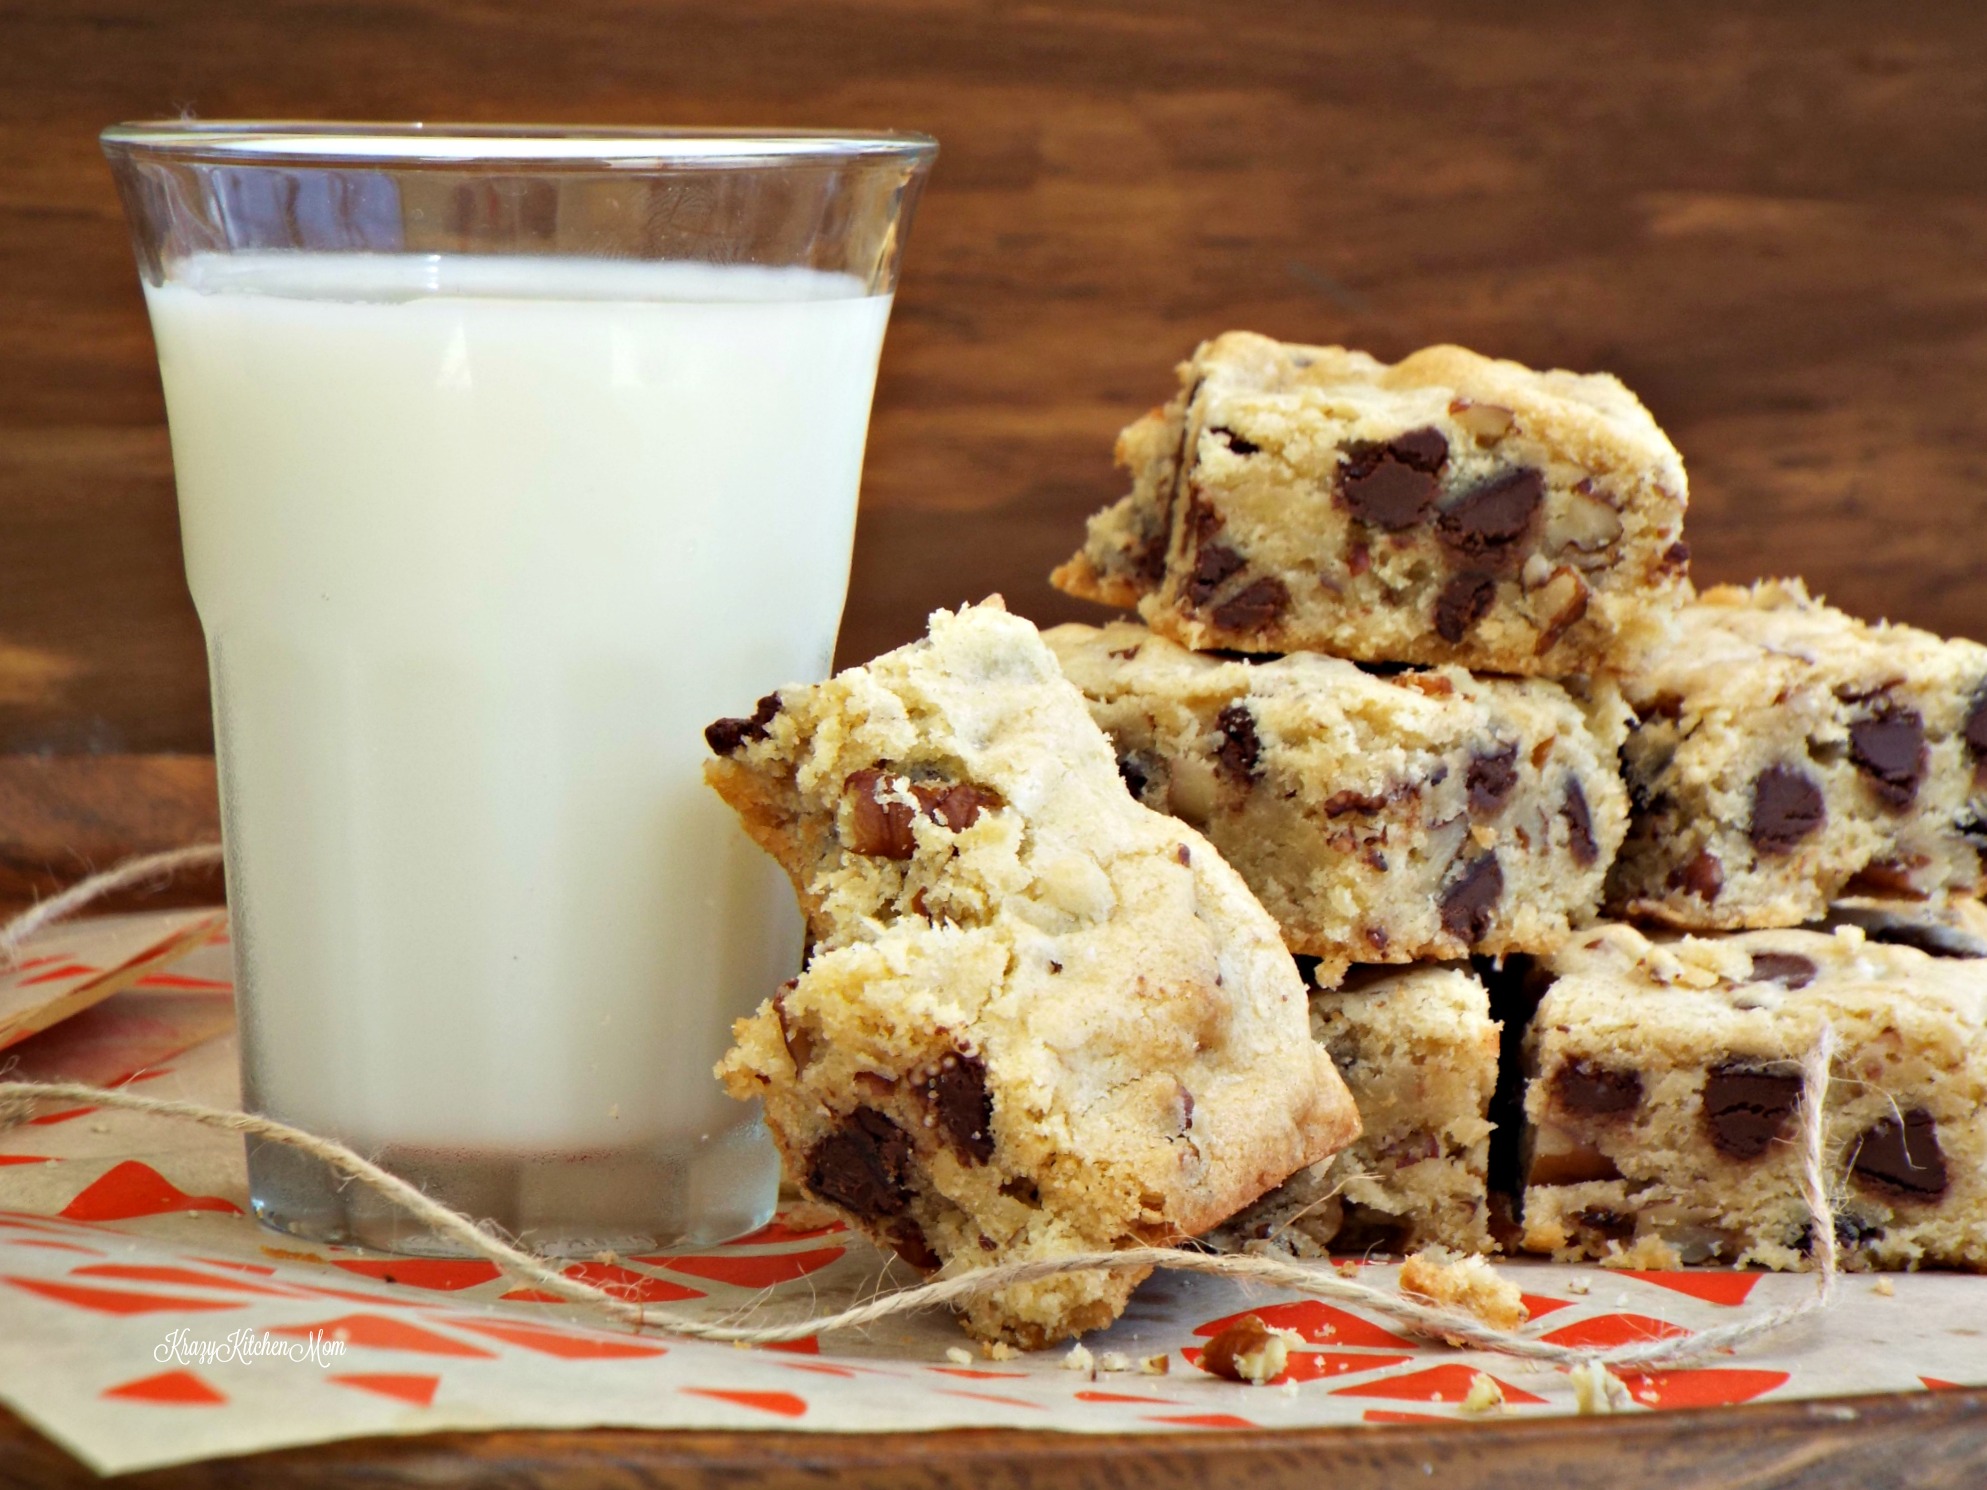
column 1431, row 867
column 1421, row 657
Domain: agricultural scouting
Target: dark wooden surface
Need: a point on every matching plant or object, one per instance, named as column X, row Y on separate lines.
column 1771, row 219
column 1927, row 1441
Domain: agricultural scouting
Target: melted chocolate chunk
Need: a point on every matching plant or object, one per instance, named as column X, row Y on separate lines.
column 1889, row 749
column 1240, row 751
column 1213, row 564
column 725, row 736
column 878, row 829
column 1254, row 607
column 1338, row 804
column 1469, row 899
column 1491, row 780
column 1677, row 555
column 1486, row 522
column 864, row 1167
column 1788, row 968
column 1393, row 486
column 1902, row 1161
column 1582, row 1086
column 1975, row 729
column 960, row 1101
column 1786, row 807
column 1462, row 602
column 1703, row 876
column 1234, row 441
column 1579, row 825
column 1746, row 1109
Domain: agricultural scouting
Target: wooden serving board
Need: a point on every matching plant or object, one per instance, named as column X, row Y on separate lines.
column 1925, row 1441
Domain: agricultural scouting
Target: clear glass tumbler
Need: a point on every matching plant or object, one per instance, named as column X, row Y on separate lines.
column 508, row 458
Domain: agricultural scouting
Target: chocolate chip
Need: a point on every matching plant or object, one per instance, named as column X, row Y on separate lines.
column 1747, row 1109
column 1491, row 780
column 1469, row 899
column 1486, row 522
column 1260, row 604
column 1392, row 486
column 1462, row 602
column 1786, row 807
column 877, row 828
column 1609, row 1225
column 1788, row 968
column 1889, row 748
column 1703, row 876
column 1234, row 441
column 957, row 1091
column 1377, row 938
column 1579, row 825
column 1677, row 555
column 1582, row 1086
column 907, row 1240
column 1901, row 1160
column 1213, row 564
column 1976, row 724
column 1338, row 804
column 725, row 736
column 1136, row 771
column 1240, row 751
column 864, row 1166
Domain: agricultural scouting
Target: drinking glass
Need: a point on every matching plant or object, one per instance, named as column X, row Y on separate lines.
column 508, row 458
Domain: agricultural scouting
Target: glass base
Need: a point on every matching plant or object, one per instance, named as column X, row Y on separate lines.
column 557, row 1206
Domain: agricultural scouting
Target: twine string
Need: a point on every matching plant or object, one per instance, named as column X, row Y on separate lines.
column 1313, row 1280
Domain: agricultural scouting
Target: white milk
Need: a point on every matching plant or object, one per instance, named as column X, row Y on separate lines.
column 480, row 546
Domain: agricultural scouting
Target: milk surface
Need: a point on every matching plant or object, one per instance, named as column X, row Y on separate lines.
column 480, row 545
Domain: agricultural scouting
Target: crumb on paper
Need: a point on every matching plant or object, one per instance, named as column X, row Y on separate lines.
column 1156, row 1365
column 959, row 1355
column 1249, row 1350
column 808, row 1215
column 1346, row 1269
column 1435, row 1275
column 998, row 1350
column 1883, row 1288
column 1596, row 1390
column 1579, row 1286
column 1484, row 1395
column 1079, row 1359
column 1647, row 1254
column 1114, row 1360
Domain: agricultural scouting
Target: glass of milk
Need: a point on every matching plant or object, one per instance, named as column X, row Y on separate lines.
column 508, row 459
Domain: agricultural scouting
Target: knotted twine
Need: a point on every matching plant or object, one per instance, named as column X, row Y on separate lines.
column 1315, row 1280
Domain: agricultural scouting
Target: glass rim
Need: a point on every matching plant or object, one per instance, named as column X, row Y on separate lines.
column 619, row 147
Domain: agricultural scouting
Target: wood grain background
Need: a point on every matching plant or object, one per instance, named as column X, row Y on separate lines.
column 1769, row 219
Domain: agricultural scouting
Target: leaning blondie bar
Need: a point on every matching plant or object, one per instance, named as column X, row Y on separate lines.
column 1444, row 509
column 1392, row 817
column 1786, row 754
column 1036, row 1018
column 1418, row 1050
column 1664, row 1089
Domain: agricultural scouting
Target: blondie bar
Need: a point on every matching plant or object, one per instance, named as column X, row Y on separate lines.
column 1036, row 1018
column 1446, row 508
column 1665, row 1084
column 1786, row 754
column 1418, row 1049
column 1380, row 817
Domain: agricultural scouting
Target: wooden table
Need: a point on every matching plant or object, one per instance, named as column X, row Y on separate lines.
column 1927, row 1441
